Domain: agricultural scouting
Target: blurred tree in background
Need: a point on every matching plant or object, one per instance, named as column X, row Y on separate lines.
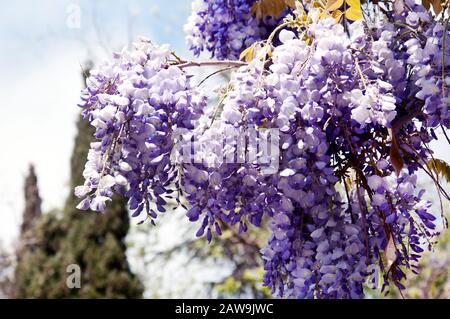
column 228, row 267
column 33, row 202
column 94, row 242
column 6, row 273
column 231, row 266
column 433, row 281
column 243, row 253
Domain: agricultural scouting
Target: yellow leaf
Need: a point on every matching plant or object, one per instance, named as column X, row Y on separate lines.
column 334, row 5
column 337, row 15
column 348, row 181
column 353, row 14
column 304, row 18
column 354, row 3
column 247, row 54
column 317, row 4
column 440, row 167
column 324, row 15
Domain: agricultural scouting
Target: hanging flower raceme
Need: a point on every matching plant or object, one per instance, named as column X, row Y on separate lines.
column 320, row 134
column 310, row 231
column 331, row 101
column 228, row 185
column 429, row 58
column 136, row 103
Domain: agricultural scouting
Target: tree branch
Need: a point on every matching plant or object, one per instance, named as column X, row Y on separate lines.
column 225, row 63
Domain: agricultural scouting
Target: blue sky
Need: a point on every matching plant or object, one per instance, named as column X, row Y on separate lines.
column 40, row 54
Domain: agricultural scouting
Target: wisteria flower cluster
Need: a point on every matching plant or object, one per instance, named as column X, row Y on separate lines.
column 349, row 109
column 135, row 103
column 225, row 27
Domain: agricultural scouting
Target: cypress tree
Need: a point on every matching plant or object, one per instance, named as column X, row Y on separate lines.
column 92, row 241
column 32, row 210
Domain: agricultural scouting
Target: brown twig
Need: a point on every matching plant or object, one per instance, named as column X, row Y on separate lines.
column 226, row 63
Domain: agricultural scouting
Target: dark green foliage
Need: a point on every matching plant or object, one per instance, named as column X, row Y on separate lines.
column 94, row 242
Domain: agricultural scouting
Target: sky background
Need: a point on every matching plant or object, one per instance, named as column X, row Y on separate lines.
column 41, row 50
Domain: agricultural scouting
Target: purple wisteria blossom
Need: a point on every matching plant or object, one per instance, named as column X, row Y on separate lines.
column 225, row 27
column 350, row 112
column 135, row 103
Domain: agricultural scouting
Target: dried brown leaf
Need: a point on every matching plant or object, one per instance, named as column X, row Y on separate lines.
column 270, row 8
column 394, row 154
column 437, row 6
column 390, row 253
